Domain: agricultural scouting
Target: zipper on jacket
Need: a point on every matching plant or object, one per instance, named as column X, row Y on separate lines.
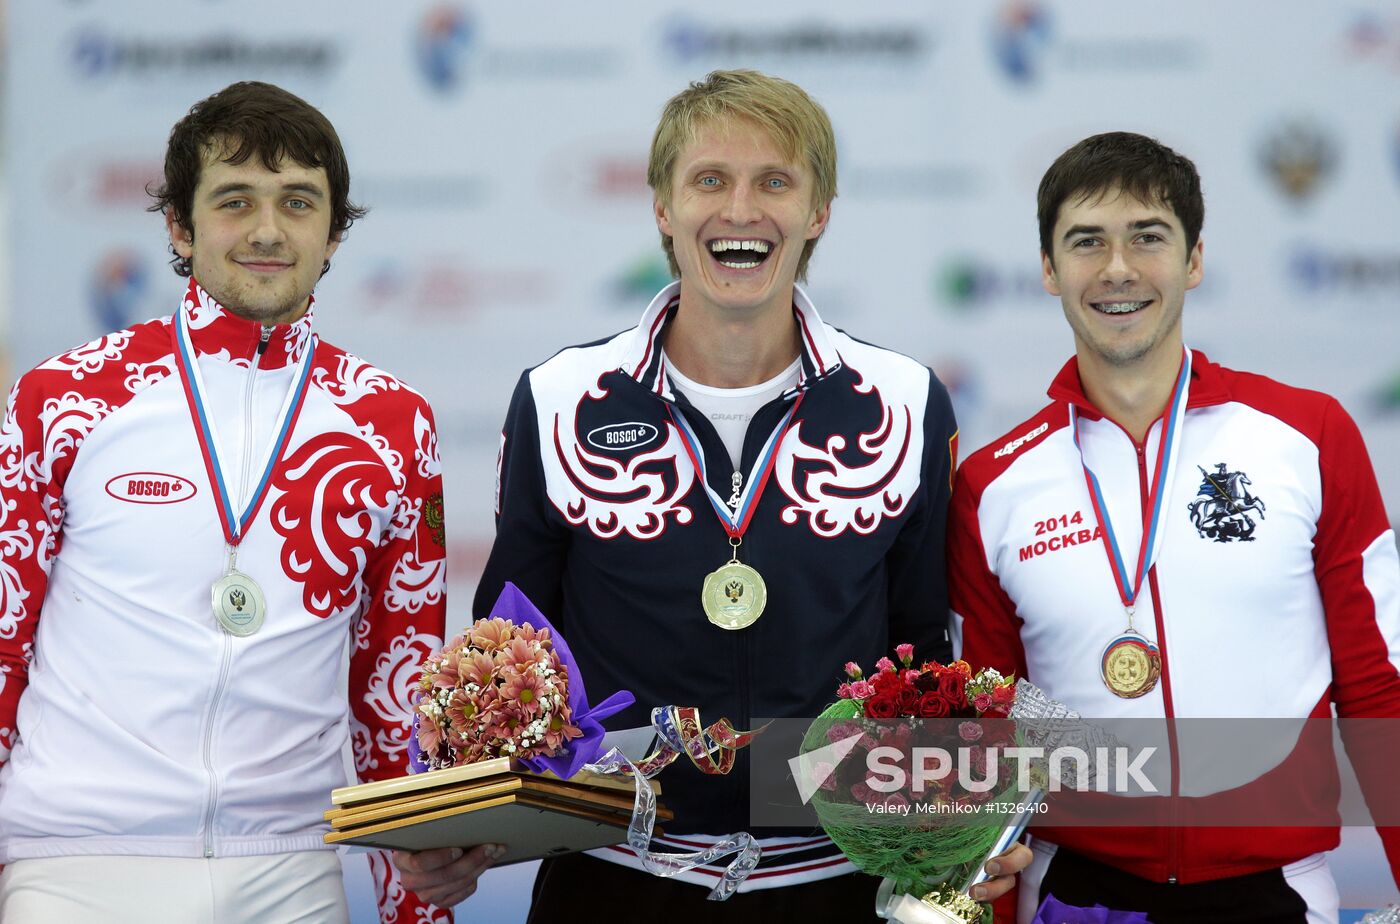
column 226, row 658
column 1173, row 830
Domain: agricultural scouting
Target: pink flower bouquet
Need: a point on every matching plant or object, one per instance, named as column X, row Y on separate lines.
column 507, row 687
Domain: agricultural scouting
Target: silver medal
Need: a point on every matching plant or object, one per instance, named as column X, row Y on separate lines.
column 238, row 604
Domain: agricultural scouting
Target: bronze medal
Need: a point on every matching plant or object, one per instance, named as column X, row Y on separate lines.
column 238, row 603
column 1130, row 666
column 734, row 595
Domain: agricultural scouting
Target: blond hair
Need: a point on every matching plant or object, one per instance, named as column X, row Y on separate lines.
column 796, row 123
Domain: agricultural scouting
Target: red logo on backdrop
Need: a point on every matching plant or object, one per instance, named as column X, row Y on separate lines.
column 151, row 488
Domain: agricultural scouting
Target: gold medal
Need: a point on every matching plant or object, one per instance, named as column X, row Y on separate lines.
column 1130, row 666
column 734, row 594
column 238, row 604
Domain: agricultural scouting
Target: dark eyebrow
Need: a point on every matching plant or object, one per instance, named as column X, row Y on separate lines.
column 309, row 189
column 226, row 188
column 1081, row 229
column 305, row 189
column 1140, row 225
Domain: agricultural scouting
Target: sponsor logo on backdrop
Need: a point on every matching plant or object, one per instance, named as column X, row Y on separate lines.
column 1298, row 157
column 967, row 284
column 639, row 282
column 120, row 290
column 964, row 388
column 584, row 173
column 1027, row 43
column 906, row 182
column 97, row 54
column 100, row 181
column 441, row 46
column 1395, row 151
column 617, row 177
column 445, row 287
column 688, row 42
column 1333, row 272
column 1021, row 39
column 1371, row 37
column 1387, row 394
column 431, row 192
column 453, row 52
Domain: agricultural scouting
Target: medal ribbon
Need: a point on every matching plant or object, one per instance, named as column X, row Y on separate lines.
column 235, row 525
column 680, row 732
column 735, row 522
column 1151, row 545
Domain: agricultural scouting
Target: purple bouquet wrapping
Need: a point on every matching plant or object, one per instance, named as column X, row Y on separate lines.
column 507, row 687
column 1054, row 911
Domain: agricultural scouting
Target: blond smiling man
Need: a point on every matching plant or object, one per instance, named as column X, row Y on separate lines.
column 723, row 505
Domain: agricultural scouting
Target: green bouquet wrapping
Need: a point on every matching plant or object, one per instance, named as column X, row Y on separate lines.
column 926, row 832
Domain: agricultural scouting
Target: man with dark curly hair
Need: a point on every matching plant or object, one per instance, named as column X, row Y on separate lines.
column 201, row 515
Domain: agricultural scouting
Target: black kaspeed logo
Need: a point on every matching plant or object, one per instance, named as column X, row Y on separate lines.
column 1221, row 508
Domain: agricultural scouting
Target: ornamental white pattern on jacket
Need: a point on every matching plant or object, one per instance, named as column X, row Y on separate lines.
column 15, row 545
column 835, row 496
column 425, row 447
column 353, row 380
column 66, row 422
column 18, row 469
column 203, row 310
column 143, row 375
column 327, row 550
column 395, row 676
column 608, row 506
column 90, row 357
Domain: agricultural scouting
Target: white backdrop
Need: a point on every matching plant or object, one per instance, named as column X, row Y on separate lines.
column 502, row 150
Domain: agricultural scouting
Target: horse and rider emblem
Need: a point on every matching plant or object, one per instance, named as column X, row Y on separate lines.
column 1221, row 510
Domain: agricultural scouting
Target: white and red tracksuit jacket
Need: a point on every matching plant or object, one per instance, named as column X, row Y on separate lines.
column 130, row 722
column 1307, row 592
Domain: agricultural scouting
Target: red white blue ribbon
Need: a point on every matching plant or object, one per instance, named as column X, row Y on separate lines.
column 1130, row 584
column 235, row 524
column 736, row 520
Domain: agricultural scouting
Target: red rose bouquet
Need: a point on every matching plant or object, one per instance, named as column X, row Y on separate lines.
column 932, row 691
column 888, row 817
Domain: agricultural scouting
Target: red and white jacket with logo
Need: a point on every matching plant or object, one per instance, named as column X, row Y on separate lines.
column 1311, row 600
column 130, row 722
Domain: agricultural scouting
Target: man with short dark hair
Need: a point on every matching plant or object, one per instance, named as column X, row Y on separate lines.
column 199, row 517
column 1162, row 522
column 723, row 505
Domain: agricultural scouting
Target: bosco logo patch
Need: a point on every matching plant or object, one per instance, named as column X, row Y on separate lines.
column 151, row 488
column 621, row 437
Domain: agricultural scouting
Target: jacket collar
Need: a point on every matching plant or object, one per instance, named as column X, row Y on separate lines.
column 1207, row 386
column 214, row 330
column 642, row 358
